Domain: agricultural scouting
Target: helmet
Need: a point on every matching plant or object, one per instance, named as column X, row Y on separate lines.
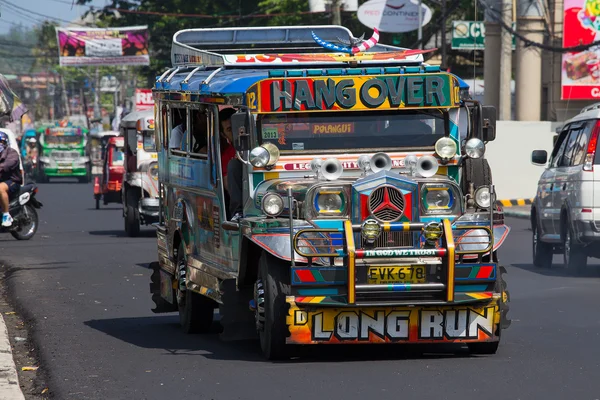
column 31, row 141
column 3, row 138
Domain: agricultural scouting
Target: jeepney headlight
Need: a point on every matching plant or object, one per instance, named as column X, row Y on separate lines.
column 329, row 201
column 445, row 147
column 432, row 231
column 483, row 197
column 272, row 204
column 264, row 156
column 474, row 148
column 438, row 198
column 154, row 171
column 370, row 230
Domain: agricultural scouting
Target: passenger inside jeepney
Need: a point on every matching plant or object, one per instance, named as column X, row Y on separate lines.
column 231, row 167
column 178, row 120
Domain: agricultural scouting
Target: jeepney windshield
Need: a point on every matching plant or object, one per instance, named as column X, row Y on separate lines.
column 66, row 140
column 352, row 130
column 149, row 141
column 118, row 156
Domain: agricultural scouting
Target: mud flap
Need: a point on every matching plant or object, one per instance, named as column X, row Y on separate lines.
column 237, row 319
column 162, row 305
column 504, row 307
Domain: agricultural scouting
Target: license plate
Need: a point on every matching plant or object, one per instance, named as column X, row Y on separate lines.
column 408, row 274
column 64, row 171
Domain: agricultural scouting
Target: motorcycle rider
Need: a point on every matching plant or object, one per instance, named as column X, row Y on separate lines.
column 10, row 176
column 31, row 154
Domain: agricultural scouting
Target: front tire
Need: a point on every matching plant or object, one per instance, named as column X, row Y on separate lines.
column 542, row 252
column 271, row 289
column 195, row 311
column 30, row 226
column 574, row 258
column 132, row 219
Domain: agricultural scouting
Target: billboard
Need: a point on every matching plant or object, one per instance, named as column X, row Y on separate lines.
column 580, row 71
column 393, row 15
column 470, row 35
column 143, row 99
column 103, row 46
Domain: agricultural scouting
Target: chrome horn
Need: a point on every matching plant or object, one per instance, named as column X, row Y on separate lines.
column 331, row 169
column 380, row 162
column 427, row 166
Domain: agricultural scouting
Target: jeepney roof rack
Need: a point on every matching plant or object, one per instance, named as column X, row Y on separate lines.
column 259, row 47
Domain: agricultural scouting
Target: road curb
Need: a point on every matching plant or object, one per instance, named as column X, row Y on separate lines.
column 515, row 202
column 9, row 380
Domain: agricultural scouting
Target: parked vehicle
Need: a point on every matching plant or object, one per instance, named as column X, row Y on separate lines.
column 22, row 208
column 365, row 218
column 140, row 188
column 107, row 187
column 565, row 214
column 63, row 154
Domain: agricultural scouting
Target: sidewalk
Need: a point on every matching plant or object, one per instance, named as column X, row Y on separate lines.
column 9, row 381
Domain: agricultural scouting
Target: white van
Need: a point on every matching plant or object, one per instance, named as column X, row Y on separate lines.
column 565, row 214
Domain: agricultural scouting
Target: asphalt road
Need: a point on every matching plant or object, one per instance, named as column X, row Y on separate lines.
column 86, row 285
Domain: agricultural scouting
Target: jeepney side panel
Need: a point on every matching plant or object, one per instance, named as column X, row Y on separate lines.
column 193, row 206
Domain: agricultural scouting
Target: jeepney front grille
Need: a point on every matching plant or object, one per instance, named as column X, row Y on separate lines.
column 393, row 239
column 64, row 155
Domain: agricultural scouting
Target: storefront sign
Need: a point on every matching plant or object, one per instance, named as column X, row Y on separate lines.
column 470, row 35
column 143, row 99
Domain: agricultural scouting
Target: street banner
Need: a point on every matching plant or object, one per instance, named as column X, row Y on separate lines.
column 143, row 99
column 470, row 35
column 580, row 71
column 103, row 46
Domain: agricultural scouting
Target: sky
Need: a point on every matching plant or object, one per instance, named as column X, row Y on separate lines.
column 32, row 12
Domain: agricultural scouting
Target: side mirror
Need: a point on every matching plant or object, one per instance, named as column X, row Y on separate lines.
column 488, row 121
column 240, row 126
column 132, row 140
column 539, row 157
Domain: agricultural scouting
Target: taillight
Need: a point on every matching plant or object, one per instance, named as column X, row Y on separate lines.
column 588, row 164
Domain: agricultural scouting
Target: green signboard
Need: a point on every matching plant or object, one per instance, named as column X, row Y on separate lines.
column 470, row 35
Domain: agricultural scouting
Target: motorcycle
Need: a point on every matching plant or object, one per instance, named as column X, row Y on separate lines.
column 30, row 166
column 23, row 210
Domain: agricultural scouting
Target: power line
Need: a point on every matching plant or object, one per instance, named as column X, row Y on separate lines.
column 9, row 4
column 211, row 16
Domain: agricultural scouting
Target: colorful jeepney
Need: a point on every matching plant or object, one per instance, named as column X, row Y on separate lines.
column 140, row 186
column 63, row 154
column 369, row 211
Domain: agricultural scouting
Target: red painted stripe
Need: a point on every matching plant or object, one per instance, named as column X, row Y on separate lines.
column 484, row 272
column 305, row 275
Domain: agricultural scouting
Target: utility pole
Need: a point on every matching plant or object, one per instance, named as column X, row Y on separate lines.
column 96, row 93
column 420, row 28
column 505, row 62
column 444, row 61
column 64, row 95
column 336, row 6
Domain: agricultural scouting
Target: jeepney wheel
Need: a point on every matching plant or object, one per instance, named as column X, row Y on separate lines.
column 476, row 170
column 271, row 289
column 195, row 311
column 132, row 219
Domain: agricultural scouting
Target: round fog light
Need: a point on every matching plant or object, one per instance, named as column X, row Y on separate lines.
column 483, row 197
column 370, row 230
column 445, row 147
column 272, row 204
column 474, row 148
column 432, row 231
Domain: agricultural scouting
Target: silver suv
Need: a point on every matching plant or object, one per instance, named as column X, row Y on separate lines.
column 565, row 215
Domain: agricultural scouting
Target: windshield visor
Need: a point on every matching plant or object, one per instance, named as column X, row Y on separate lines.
column 352, row 130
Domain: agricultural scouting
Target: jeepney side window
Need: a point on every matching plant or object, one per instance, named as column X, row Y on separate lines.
column 178, row 129
column 199, row 128
column 164, row 126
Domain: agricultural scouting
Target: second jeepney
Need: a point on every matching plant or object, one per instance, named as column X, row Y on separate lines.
column 369, row 212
